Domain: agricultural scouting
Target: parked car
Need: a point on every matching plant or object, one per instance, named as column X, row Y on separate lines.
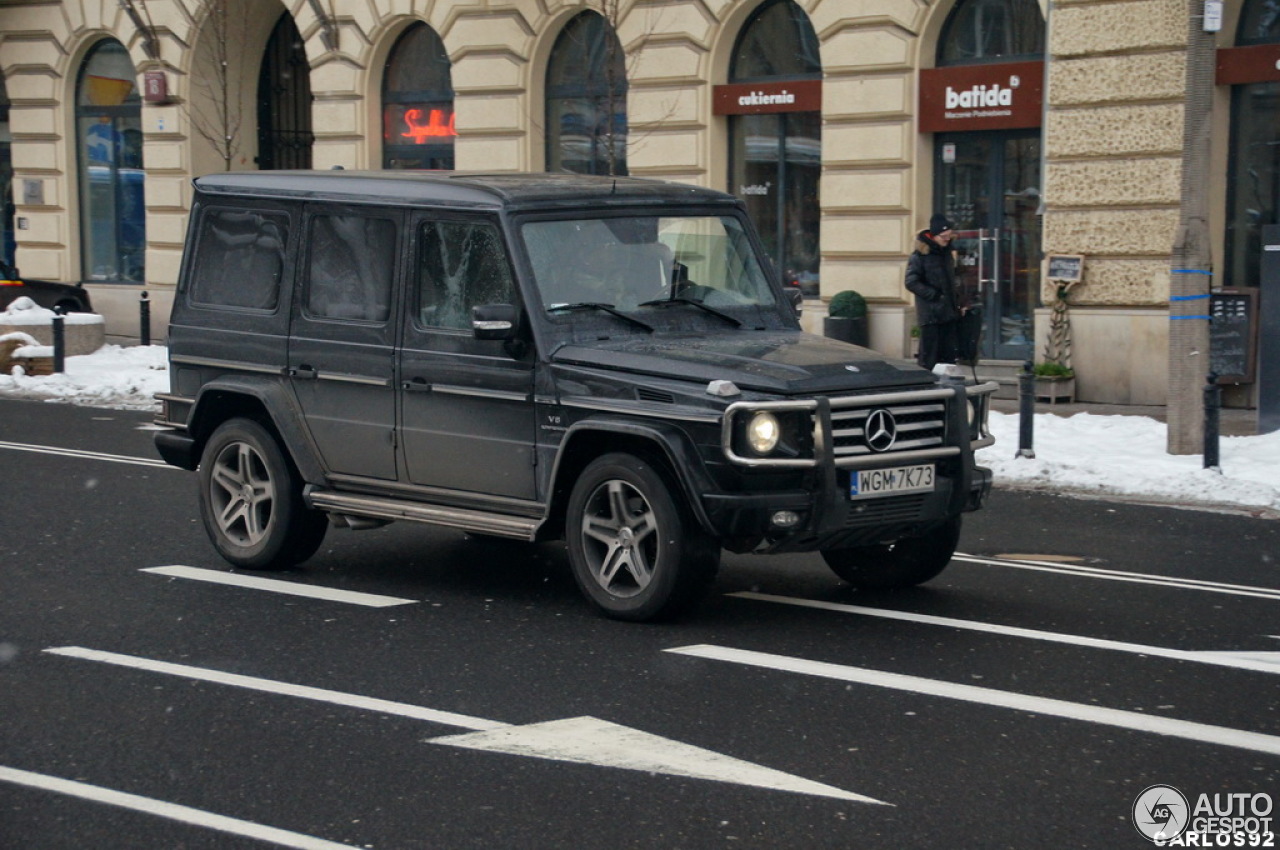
column 606, row 361
column 69, row 297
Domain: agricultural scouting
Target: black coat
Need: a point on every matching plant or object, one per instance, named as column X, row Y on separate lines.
column 931, row 277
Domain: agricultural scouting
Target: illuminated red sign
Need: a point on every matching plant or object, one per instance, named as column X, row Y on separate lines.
column 418, row 124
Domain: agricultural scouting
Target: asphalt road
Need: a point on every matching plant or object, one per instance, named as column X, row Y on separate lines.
column 1077, row 653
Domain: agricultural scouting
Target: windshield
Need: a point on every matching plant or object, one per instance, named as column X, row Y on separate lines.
column 644, row 263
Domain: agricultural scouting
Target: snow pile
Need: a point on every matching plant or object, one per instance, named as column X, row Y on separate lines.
column 122, row 378
column 23, row 311
column 1127, row 456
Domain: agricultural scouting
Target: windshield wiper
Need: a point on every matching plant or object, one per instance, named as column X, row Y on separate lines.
column 684, row 299
column 604, row 308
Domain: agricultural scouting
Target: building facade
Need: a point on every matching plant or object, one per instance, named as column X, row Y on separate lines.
column 1041, row 127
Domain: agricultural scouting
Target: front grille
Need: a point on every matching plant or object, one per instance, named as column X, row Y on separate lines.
column 919, row 425
column 886, row 510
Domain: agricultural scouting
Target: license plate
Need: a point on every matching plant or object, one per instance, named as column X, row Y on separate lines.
column 869, row 483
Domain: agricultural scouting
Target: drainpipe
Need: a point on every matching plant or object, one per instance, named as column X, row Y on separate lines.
column 1191, row 272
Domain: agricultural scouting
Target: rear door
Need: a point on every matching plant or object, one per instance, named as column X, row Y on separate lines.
column 342, row 342
column 467, row 411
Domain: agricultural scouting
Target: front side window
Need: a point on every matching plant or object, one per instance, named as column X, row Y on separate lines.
column 642, row 263
column 240, row 259
column 109, row 144
column 462, row 265
column 587, row 99
column 417, row 103
column 351, row 267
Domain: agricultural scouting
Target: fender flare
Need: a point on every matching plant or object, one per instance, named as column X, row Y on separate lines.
column 676, row 447
column 275, row 397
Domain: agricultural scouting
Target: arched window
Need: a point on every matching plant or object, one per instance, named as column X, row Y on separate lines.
column 587, row 99
column 417, row 103
column 109, row 145
column 776, row 157
column 284, row 100
column 1253, row 180
column 992, row 31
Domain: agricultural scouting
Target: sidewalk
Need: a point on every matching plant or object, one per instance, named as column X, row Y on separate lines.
column 1232, row 422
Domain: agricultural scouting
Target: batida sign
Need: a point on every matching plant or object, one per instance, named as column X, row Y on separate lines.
column 1008, row 96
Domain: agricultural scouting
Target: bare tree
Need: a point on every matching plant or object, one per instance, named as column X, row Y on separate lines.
column 216, row 109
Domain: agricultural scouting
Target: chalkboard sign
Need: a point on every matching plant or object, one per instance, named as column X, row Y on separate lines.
column 1233, row 334
column 1068, row 267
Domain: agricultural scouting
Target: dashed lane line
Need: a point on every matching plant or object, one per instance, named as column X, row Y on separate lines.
column 1082, row 571
column 169, row 811
column 84, row 455
column 1257, row 662
column 272, row 585
column 1136, row 721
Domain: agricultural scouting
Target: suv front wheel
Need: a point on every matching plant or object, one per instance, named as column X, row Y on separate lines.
column 892, row 566
column 636, row 551
column 251, row 500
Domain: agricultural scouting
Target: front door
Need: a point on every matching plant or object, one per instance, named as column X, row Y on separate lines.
column 988, row 184
column 467, row 414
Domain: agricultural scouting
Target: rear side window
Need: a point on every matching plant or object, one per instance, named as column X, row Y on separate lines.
column 463, row 265
column 240, row 259
column 351, row 267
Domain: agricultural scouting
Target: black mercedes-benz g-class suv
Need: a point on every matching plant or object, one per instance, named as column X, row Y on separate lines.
column 537, row 356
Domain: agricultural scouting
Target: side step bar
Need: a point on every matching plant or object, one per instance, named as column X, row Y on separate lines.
column 481, row 522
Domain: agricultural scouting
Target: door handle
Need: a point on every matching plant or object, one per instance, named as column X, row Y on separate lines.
column 303, row 372
column 416, row 385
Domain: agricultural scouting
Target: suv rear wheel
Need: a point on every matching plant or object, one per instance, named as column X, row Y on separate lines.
column 636, row 551
column 251, row 500
column 891, row 566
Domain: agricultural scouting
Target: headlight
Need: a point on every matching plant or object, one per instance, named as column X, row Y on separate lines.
column 763, row 432
column 971, row 411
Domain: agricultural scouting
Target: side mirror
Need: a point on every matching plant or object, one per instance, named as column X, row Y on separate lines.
column 494, row 321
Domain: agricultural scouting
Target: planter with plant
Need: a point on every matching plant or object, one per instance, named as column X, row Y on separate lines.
column 1055, row 379
column 846, row 318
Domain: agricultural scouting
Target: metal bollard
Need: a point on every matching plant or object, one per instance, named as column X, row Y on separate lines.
column 1212, row 411
column 1026, row 411
column 59, row 342
column 144, row 319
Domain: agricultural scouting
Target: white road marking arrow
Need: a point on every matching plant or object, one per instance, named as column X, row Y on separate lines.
column 589, row 740
column 584, row 740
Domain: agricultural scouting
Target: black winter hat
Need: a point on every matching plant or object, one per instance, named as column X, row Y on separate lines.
column 939, row 223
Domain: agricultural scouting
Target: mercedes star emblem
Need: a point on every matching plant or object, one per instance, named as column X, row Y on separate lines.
column 881, row 430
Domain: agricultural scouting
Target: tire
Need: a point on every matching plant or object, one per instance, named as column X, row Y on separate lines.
column 251, row 500
column 893, row 566
column 636, row 551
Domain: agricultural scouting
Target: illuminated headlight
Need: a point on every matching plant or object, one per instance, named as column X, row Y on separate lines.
column 763, row 432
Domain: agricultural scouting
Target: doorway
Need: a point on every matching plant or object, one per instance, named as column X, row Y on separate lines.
column 284, row 101
column 988, row 184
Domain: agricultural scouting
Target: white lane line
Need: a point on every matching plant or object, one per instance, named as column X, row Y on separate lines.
column 1258, row 662
column 170, row 811
column 1136, row 721
column 1082, row 571
column 83, row 455
column 329, row 594
column 400, row 709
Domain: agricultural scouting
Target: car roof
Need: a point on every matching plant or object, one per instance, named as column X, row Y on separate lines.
column 459, row 188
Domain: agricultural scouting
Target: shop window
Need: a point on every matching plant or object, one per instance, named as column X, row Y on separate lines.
column 992, row 31
column 587, row 99
column 1253, row 181
column 776, row 157
column 417, row 103
column 109, row 145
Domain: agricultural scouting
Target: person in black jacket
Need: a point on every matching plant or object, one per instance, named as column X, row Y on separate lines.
column 931, row 277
